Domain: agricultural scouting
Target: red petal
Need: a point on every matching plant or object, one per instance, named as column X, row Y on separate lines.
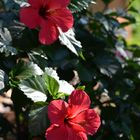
column 78, row 102
column 57, row 4
column 82, row 135
column 73, row 135
column 29, row 17
column 62, row 18
column 76, row 127
column 48, row 33
column 56, row 133
column 36, row 3
column 57, row 110
column 89, row 120
column 63, row 132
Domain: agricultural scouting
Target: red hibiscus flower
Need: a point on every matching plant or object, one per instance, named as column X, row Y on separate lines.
column 48, row 15
column 72, row 120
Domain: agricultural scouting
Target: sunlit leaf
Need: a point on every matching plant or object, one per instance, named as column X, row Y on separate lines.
column 2, row 73
column 34, row 88
column 68, row 39
column 78, row 5
column 64, row 86
column 5, row 42
column 51, row 84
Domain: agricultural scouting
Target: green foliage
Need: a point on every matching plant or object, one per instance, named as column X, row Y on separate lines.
column 105, row 66
column 78, row 5
column 24, row 70
column 51, row 84
column 2, row 85
column 5, row 45
column 34, row 88
column 38, row 120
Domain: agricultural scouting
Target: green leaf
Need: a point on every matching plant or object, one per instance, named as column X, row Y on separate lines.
column 2, row 73
column 38, row 121
column 52, row 85
column 78, row 5
column 39, row 57
column 5, row 42
column 21, row 3
column 36, row 108
column 64, row 86
column 84, row 73
column 26, row 40
column 107, row 64
column 34, row 88
column 24, row 70
column 68, row 39
column 81, row 87
column 82, row 56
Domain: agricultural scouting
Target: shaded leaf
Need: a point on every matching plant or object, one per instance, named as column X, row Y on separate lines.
column 11, row 5
column 24, row 70
column 24, row 38
column 107, row 64
column 84, row 73
column 38, row 121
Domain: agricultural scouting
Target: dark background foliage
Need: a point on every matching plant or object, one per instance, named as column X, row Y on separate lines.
column 106, row 65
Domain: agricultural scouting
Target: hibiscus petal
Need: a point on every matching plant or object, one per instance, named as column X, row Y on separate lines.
column 73, row 135
column 29, row 17
column 63, row 132
column 83, row 136
column 76, row 127
column 48, row 33
column 55, row 132
column 56, row 4
column 36, row 3
column 89, row 120
column 78, row 102
column 57, row 110
column 62, row 18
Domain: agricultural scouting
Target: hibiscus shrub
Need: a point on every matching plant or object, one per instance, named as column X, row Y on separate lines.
column 70, row 73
